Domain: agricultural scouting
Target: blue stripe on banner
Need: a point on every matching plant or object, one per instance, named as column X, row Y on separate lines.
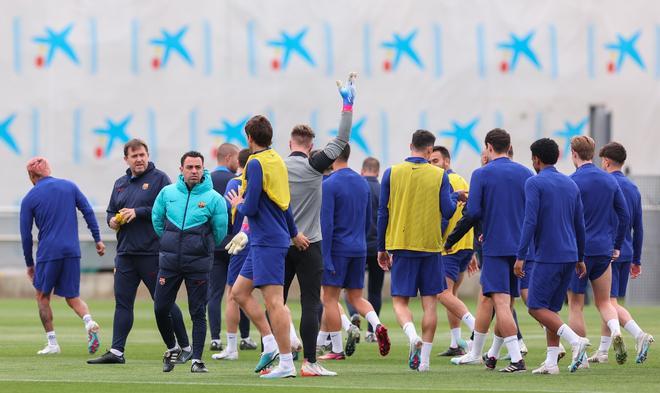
column 329, row 52
column 93, row 39
column 77, row 135
column 554, row 61
column 384, row 139
column 366, row 46
column 151, row 131
column 437, row 36
column 591, row 54
column 252, row 56
column 35, row 132
column 16, row 27
column 208, row 55
column 539, row 125
column 423, row 120
column 135, row 28
column 657, row 52
column 192, row 127
column 314, row 120
column 481, row 54
column 499, row 119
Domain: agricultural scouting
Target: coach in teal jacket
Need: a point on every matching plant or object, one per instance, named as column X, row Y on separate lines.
column 190, row 218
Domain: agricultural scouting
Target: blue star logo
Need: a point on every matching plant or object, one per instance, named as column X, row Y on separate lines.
column 356, row 136
column 403, row 46
column 172, row 43
column 520, row 46
column 55, row 41
column 6, row 136
column 462, row 134
column 626, row 48
column 292, row 44
column 115, row 131
column 232, row 131
column 570, row 130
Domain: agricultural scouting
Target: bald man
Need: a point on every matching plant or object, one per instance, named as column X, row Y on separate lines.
column 52, row 204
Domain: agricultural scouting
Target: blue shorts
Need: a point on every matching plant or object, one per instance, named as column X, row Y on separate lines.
column 596, row 267
column 548, row 285
column 524, row 282
column 349, row 272
column 497, row 276
column 620, row 275
column 455, row 264
column 265, row 265
column 417, row 274
column 235, row 265
column 62, row 275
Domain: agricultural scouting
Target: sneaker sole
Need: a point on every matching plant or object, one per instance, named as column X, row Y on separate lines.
column 93, row 342
column 414, row 358
column 383, row 341
column 643, row 353
column 620, row 350
column 351, row 340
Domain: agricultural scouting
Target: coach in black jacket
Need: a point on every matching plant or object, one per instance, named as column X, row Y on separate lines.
column 129, row 213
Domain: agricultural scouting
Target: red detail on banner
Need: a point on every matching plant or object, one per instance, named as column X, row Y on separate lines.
column 611, row 67
column 98, row 152
column 155, row 63
column 275, row 64
column 387, row 65
column 214, row 152
column 504, row 66
column 39, row 61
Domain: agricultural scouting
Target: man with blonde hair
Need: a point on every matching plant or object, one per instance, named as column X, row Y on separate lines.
column 52, row 204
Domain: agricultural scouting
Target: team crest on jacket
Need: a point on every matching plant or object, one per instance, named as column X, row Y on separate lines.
column 161, row 281
column 145, row 186
column 201, row 205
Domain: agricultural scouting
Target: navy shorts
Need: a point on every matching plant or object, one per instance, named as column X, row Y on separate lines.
column 61, row 275
column 235, row 265
column 548, row 285
column 457, row 263
column 620, row 275
column 265, row 265
column 497, row 276
column 524, row 282
column 349, row 272
column 411, row 275
column 596, row 267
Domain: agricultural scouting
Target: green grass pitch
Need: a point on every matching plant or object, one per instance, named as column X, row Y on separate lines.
column 21, row 370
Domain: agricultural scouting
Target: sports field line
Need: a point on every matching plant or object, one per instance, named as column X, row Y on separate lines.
column 266, row 384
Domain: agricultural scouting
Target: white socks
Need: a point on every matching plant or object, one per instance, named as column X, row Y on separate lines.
column 478, row 344
column 337, row 346
column 286, row 361
column 615, row 328
column 409, row 330
column 633, row 328
column 551, row 357
column 187, row 349
column 270, row 345
column 52, row 339
column 512, row 345
column 232, row 342
column 116, row 352
column 345, row 322
column 320, row 339
column 293, row 337
column 605, row 343
column 425, row 355
column 468, row 320
column 373, row 319
column 455, row 337
column 494, row 351
column 568, row 334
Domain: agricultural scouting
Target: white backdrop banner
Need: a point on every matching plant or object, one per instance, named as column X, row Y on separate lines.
column 79, row 78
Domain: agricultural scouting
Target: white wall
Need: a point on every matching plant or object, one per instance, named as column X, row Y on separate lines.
column 58, row 106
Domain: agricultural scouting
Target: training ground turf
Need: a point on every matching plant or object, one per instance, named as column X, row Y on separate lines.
column 21, row 370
